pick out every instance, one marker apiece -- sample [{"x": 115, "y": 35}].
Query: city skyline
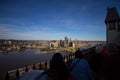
[{"x": 54, "y": 19}]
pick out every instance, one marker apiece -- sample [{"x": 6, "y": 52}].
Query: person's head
[
  {"x": 57, "y": 67},
  {"x": 78, "y": 54},
  {"x": 57, "y": 60}
]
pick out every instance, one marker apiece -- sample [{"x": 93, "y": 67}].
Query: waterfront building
[
  {"x": 72, "y": 44},
  {"x": 61, "y": 43},
  {"x": 54, "y": 44},
  {"x": 112, "y": 22},
  {"x": 9, "y": 42},
  {"x": 67, "y": 42}
]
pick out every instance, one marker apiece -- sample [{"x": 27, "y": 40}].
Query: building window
[{"x": 112, "y": 26}]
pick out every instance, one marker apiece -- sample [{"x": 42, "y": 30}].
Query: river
[{"x": 17, "y": 59}]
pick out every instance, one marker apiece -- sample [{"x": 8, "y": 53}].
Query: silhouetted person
[
  {"x": 80, "y": 69},
  {"x": 58, "y": 69},
  {"x": 111, "y": 67},
  {"x": 96, "y": 62}
]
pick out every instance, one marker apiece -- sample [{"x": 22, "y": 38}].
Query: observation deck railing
[{"x": 44, "y": 65}]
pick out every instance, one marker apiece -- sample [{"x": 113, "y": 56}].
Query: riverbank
[
  {"x": 67, "y": 49},
  {"x": 6, "y": 52}
]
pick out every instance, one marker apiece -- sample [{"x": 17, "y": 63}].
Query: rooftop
[{"x": 112, "y": 15}]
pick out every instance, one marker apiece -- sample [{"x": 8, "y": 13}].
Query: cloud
[
  {"x": 95, "y": 27},
  {"x": 35, "y": 35},
  {"x": 39, "y": 28},
  {"x": 45, "y": 33},
  {"x": 24, "y": 28},
  {"x": 4, "y": 29},
  {"x": 8, "y": 31}
]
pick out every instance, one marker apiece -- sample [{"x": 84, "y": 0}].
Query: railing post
[
  {"x": 33, "y": 66},
  {"x": 67, "y": 58},
  {"x": 7, "y": 77},
  {"x": 70, "y": 56},
  {"x": 17, "y": 73},
  {"x": 45, "y": 65},
  {"x": 40, "y": 65},
  {"x": 50, "y": 63},
  {"x": 26, "y": 69},
  {"x": 73, "y": 55},
  {"x": 64, "y": 58}
]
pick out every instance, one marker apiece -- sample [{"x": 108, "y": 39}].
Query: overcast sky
[{"x": 54, "y": 19}]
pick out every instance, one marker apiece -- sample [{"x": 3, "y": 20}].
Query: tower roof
[{"x": 112, "y": 15}]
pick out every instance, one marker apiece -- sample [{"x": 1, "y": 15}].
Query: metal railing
[{"x": 44, "y": 65}]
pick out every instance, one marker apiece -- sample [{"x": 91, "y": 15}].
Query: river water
[{"x": 17, "y": 59}]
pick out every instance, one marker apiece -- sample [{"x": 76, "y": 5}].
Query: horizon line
[{"x": 50, "y": 39}]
